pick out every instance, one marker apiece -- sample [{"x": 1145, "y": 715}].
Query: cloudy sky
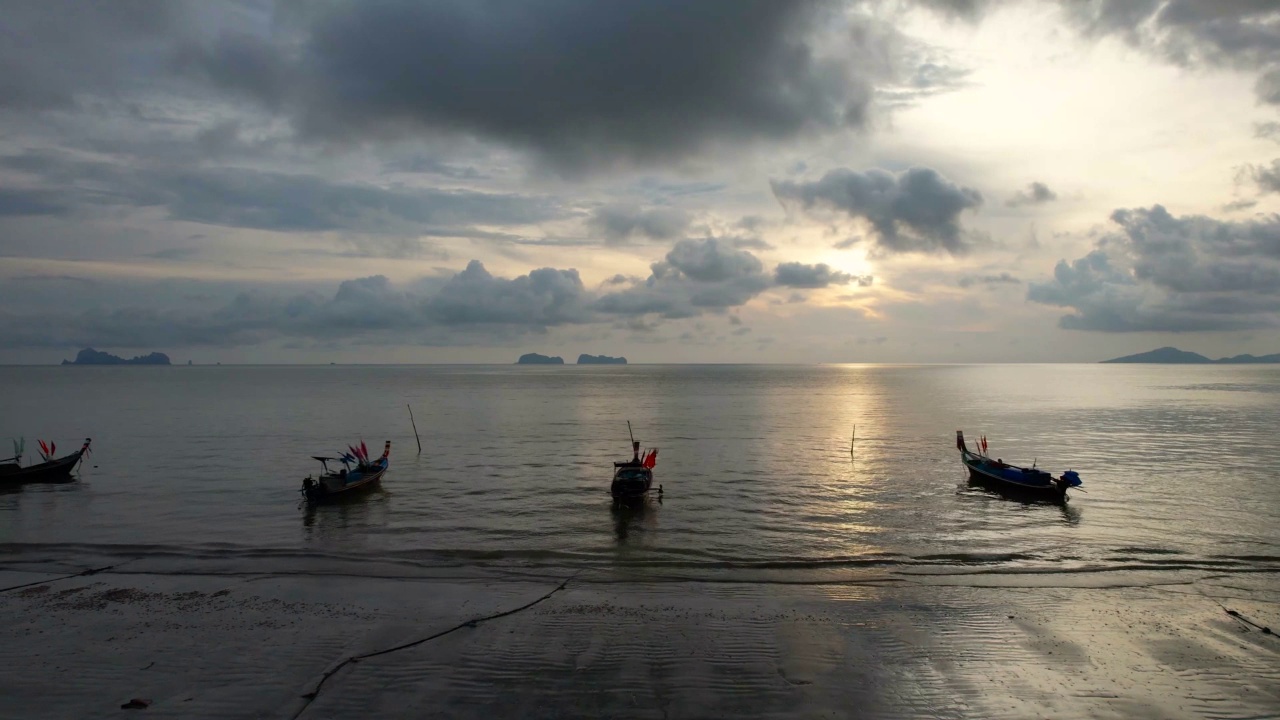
[{"x": 719, "y": 181}]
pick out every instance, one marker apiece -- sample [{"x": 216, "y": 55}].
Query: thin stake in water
[
  {"x": 853, "y": 437},
  {"x": 415, "y": 428}
]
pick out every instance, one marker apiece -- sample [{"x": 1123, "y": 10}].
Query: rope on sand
[
  {"x": 1265, "y": 630},
  {"x": 1233, "y": 613},
  {"x": 91, "y": 571},
  {"x": 467, "y": 624}
]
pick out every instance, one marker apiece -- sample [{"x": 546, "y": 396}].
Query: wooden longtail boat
[
  {"x": 1028, "y": 482},
  {"x": 356, "y": 475},
  {"x": 634, "y": 478},
  {"x": 51, "y": 470}
]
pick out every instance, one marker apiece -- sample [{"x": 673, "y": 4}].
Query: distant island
[
  {"x": 585, "y": 359},
  {"x": 1174, "y": 356},
  {"x": 536, "y": 359},
  {"x": 89, "y": 356}
]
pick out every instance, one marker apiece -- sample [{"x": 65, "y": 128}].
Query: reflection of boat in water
[
  {"x": 346, "y": 517},
  {"x": 51, "y": 470},
  {"x": 634, "y": 478},
  {"x": 330, "y": 485},
  {"x": 1031, "y": 483},
  {"x": 629, "y": 515}
]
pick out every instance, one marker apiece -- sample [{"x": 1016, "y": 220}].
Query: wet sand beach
[{"x": 201, "y": 641}]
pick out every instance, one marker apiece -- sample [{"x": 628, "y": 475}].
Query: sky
[{"x": 386, "y": 181}]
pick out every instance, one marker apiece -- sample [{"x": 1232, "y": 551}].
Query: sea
[{"x": 768, "y": 473}]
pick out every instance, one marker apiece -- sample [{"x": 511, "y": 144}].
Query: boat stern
[{"x": 631, "y": 481}]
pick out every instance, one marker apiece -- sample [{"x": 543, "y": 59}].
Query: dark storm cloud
[
  {"x": 580, "y": 82},
  {"x": 261, "y": 200},
  {"x": 1003, "y": 278},
  {"x": 1269, "y": 130},
  {"x": 16, "y": 203},
  {"x": 434, "y": 166},
  {"x": 1036, "y": 193},
  {"x": 243, "y": 63},
  {"x": 1172, "y": 274},
  {"x": 53, "y": 51},
  {"x": 799, "y": 275},
  {"x": 1239, "y": 34},
  {"x": 619, "y": 223},
  {"x": 915, "y": 211}
]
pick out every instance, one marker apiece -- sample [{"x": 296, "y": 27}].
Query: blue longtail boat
[
  {"x": 1029, "y": 482},
  {"x": 633, "y": 479},
  {"x": 358, "y": 473}
]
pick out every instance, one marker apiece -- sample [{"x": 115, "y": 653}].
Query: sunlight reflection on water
[{"x": 755, "y": 462}]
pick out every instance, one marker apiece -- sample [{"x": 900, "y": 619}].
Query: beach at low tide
[
  {"x": 783, "y": 573},
  {"x": 197, "y": 638}
]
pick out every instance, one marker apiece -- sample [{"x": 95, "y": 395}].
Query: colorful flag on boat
[{"x": 651, "y": 458}]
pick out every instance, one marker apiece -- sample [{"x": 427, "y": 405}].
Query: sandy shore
[{"x": 203, "y": 641}]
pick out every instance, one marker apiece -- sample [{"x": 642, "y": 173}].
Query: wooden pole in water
[
  {"x": 415, "y": 428},
  {"x": 853, "y": 437}
]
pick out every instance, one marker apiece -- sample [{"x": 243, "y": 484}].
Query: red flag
[
  {"x": 364, "y": 451},
  {"x": 53, "y": 447},
  {"x": 651, "y": 459}
]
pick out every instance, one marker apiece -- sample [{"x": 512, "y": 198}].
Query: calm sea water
[{"x": 1179, "y": 464}]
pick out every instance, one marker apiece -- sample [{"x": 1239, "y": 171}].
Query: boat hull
[
  {"x": 335, "y": 487},
  {"x": 1055, "y": 491},
  {"x": 53, "y": 471}
]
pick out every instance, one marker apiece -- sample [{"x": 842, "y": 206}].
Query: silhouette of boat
[
  {"x": 1029, "y": 482},
  {"x": 51, "y": 470},
  {"x": 633, "y": 478},
  {"x": 357, "y": 474}
]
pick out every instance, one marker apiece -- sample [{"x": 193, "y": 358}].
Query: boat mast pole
[{"x": 633, "y": 435}]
